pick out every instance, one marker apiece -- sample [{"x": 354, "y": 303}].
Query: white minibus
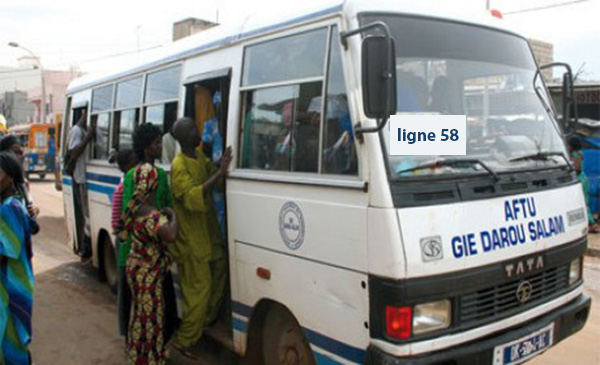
[{"x": 340, "y": 252}]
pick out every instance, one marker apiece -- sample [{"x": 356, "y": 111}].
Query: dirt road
[{"x": 74, "y": 314}]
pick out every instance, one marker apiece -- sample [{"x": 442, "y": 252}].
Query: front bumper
[{"x": 567, "y": 319}]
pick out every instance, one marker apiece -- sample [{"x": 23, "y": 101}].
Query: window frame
[
  {"x": 354, "y": 181},
  {"x": 164, "y": 102},
  {"x": 141, "y": 105},
  {"x": 96, "y": 113}
]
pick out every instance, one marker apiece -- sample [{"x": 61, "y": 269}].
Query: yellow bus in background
[{"x": 39, "y": 141}]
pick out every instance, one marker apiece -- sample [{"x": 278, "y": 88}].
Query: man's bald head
[{"x": 186, "y": 133}]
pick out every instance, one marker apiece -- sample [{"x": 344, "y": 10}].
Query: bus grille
[{"x": 493, "y": 303}]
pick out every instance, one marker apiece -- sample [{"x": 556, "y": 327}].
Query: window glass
[
  {"x": 163, "y": 85},
  {"x": 101, "y": 142},
  {"x": 288, "y": 58},
  {"x": 129, "y": 93},
  {"x": 281, "y": 128},
  {"x": 162, "y": 115},
  {"x": 127, "y": 121},
  {"x": 339, "y": 152},
  {"x": 102, "y": 98}
]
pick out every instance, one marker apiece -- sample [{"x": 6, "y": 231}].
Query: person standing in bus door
[
  {"x": 198, "y": 250},
  {"x": 12, "y": 144},
  {"x": 147, "y": 145},
  {"x": 79, "y": 138},
  {"x": 16, "y": 274},
  {"x": 126, "y": 160},
  {"x": 151, "y": 230}
]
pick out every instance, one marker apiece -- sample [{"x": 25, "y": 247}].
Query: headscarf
[{"x": 145, "y": 181}]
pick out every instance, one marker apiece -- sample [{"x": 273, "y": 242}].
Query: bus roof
[{"x": 255, "y": 25}]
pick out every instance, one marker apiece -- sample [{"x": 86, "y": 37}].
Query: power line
[{"x": 551, "y": 6}]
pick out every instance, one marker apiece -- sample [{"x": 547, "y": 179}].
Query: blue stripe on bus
[
  {"x": 107, "y": 179},
  {"x": 220, "y": 42},
  {"x": 241, "y": 309},
  {"x": 341, "y": 349},
  {"x": 322, "y": 359},
  {"x": 103, "y": 189},
  {"x": 239, "y": 325}
]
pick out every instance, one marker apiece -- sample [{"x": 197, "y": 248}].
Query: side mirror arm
[{"x": 358, "y": 130}]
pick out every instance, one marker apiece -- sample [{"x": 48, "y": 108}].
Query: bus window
[
  {"x": 162, "y": 115},
  {"x": 129, "y": 93},
  {"x": 102, "y": 98},
  {"x": 163, "y": 85},
  {"x": 102, "y": 101},
  {"x": 101, "y": 143},
  {"x": 125, "y": 123},
  {"x": 282, "y": 124},
  {"x": 295, "y": 57},
  {"x": 339, "y": 153}
]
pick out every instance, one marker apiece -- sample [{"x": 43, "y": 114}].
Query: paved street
[{"x": 74, "y": 314}]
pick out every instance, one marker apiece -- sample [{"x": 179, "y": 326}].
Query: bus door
[
  {"x": 206, "y": 102},
  {"x": 75, "y": 228}
]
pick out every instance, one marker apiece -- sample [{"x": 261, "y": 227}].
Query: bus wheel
[
  {"x": 109, "y": 265},
  {"x": 283, "y": 341}
]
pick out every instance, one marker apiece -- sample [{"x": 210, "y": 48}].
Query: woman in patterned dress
[
  {"x": 150, "y": 230},
  {"x": 16, "y": 275}
]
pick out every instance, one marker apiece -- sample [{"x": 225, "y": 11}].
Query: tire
[
  {"x": 42, "y": 176},
  {"x": 283, "y": 342},
  {"x": 109, "y": 265}
]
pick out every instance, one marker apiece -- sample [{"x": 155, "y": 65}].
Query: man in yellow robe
[{"x": 198, "y": 250}]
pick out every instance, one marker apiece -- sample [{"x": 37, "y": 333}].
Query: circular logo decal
[
  {"x": 291, "y": 225},
  {"x": 524, "y": 291}
]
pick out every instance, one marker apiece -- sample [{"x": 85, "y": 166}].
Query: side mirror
[{"x": 379, "y": 77}]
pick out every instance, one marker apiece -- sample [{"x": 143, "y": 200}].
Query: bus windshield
[{"x": 452, "y": 68}]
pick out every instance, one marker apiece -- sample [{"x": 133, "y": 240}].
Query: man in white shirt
[{"x": 79, "y": 138}]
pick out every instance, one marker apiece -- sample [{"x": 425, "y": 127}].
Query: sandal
[{"x": 185, "y": 352}]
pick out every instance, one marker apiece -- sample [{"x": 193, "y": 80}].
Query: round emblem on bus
[
  {"x": 524, "y": 291},
  {"x": 291, "y": 225}
]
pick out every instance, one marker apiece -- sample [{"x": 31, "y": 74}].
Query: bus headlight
[
  {"x": 575, "y": 270},
  {"x": 432, "y": 316}
]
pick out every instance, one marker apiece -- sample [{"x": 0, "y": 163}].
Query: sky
[{"x": 86, "y": 34}]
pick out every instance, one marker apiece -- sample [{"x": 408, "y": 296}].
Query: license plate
[{"x": 524, "y": 348}]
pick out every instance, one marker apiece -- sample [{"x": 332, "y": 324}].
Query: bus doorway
[
  {"x": 207, "y": 102},
  {"x": 81, "y": 233}
]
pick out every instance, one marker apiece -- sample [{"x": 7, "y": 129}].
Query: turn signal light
[{"x": 398, "y": 322}]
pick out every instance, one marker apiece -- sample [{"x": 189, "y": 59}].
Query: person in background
[
  {"x": 11, "y": 143},
  {"x": 79, "y": 139},
  {"x": 51, "y": 155},
  {"x": 577, "y": 159},
  {"x": 198, "y": 250},
  {"x": 150, "y": 230},
  {"x": 147, "y": 145},
  {"x": 126, "y": 160},
  {"x": 170, "y": 148},
  {"x": 212, "y": 147},
  {"x": 16, "y": 274}
]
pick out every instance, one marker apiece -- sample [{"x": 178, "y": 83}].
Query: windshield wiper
[
  {"x": 542, "y": 156},
  {"x": 452, "y": 162}
]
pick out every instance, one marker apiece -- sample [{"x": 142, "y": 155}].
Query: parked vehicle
[{"x": 39, "y": 141}]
